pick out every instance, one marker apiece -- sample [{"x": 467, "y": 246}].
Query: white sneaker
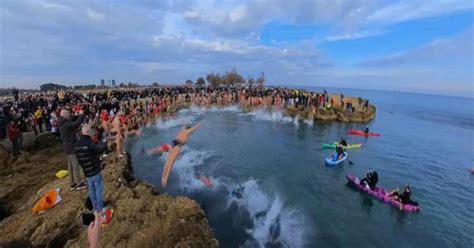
[{"x": 104, "y": 155}]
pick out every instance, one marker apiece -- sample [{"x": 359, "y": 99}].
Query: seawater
[{"x": 272, "y": 189}]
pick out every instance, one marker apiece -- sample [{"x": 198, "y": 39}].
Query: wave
[
  {"x": 186, "y": 167},
  {"x": 276, "y": 117},
  {"x": 202, "y": 110},
  {"x": 180, "y": 120},
  {"x": 270, "y": 222},
  {"x": 309, "y": 122},
  {"x": 231, "y": 108}
]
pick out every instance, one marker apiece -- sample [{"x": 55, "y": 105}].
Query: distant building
[
  {"x": 102, "y": 82},
  {"x": 113, "y": 82}
]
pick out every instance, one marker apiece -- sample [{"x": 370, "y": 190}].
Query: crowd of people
[
  {"x": 40, "y": 112},
  {"x": 91, "y": 124}
]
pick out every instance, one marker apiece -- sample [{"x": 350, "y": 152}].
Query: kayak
[
  {"x": 329, "y": 161},
  {"x": 381, "y": 194},
  {"x": 362, "y": 133},
  {"x": 333, "y": 146}
]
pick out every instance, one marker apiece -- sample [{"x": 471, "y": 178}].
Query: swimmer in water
[
  {"x": 180, "y": 140},
  {"x": 159, "y": 150}
]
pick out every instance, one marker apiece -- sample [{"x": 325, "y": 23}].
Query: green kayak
[{"x": 333, "y": 146}]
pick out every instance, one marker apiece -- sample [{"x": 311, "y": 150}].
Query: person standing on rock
[
  {"x": 13, "y": 135},
  {"x": 366, "y": 105},
  {"x": 67, "y": 130},
  {"x": 88, "y": 156}
]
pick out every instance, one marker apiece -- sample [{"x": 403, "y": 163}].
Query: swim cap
[{"x": 165, "y": 147}]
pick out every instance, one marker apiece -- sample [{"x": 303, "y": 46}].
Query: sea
[{"x": 271, "y": 187}]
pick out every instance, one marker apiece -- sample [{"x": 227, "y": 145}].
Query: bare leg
[
  {"x": 119, "y": 145},
  {"x": 391, "y": 193},
  {"x": 172, "y": 156}
]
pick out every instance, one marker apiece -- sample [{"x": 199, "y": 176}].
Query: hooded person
[
  {"x": 88, "y": 156},
  {"x": 67, "y": 130}
]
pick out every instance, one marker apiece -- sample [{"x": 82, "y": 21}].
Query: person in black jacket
[
  {"x": 67, "y": 129},
  {"x": 88, "y": 156}
]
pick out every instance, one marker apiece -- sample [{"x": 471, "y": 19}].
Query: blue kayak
[{"x": 329, "y": 161}]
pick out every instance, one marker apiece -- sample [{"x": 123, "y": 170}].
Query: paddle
[{"x": 350, "y": 162}]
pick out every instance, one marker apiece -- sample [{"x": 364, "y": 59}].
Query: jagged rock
[{"x": 141, "y": 219}]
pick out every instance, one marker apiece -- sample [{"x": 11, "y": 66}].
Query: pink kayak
[
  {"x": 381, "y": 194},
  {"x": 362, "y": 133}
]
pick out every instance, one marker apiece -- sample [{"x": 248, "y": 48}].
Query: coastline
[
  {"x": 143, "y": 217},
  {"x": 139, "y": 207},
  {"x": 333, "y": 113}
]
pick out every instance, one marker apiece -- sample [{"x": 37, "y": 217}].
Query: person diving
[{"x": 181, "y": 139}]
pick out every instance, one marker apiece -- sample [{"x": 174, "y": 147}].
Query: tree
[
  {"x": 200, "y": 82},
  {"x": 51, "y": 87},
  {"x": 233, "y": 78},
  {"x": 189, "y": 83},
  {"x": 155, "y": 84},
  {"x": 260, "y": 80},
  {"x": 214, "y": 79},
  {"x": 250, "y": 81}
]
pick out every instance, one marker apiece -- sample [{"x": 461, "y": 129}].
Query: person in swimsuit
[
  {"x": 159, "y": 149},
  {"x": 117, "y": 132},
  {"x": 177, "y": 143}
]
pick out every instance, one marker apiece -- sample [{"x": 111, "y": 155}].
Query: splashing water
[
  {"x": 175, "y": 122},
  {"x": 271, "y": 221},
  {"x": 276, "y": 117},
  {"x": 309, "y": 122},
  {"x": 186, "y": 165}
]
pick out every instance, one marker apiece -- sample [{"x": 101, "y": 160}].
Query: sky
[{"x": 414, "y": 45}]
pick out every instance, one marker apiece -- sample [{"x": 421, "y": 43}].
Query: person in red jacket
[{"x": 14, "y": 136}]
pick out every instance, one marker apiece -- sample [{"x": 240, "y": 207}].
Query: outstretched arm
[
  {"x": 196, "y": 127},
  {"x": 153, "y": 151}
]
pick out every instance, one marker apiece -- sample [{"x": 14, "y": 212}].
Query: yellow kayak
[{"x": 333, "y": 146}]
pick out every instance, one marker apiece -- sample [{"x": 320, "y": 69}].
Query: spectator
[
  {"x": 13, "y": 135},
  {"x": 67, "y": 129},
  {"x": 88, "y": 157}
]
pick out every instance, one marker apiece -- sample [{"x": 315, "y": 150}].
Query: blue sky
[{"x": 416, "y": 46}]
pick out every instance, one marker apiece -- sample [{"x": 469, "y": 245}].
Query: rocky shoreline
[{"x": 143, "y": 217}]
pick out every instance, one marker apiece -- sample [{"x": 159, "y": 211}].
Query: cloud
[
  {"x": 95, "y": 15},
  {"x": 236, "y": 18},
  {"x": 171, "y": 41},
  {"x": 412, "y": 10},
  {"x": 459, "y": 48},
  {"x": 355, "y": 36}
]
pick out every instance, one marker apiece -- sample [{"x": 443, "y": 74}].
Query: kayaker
[
  {"x": 339, "y": 152},
  {"x": 404, "y": 198},
  {"x": 366, "y": 130},
  {"x": 343, "y": 142},
  {"x": 371, "y": 179}
]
